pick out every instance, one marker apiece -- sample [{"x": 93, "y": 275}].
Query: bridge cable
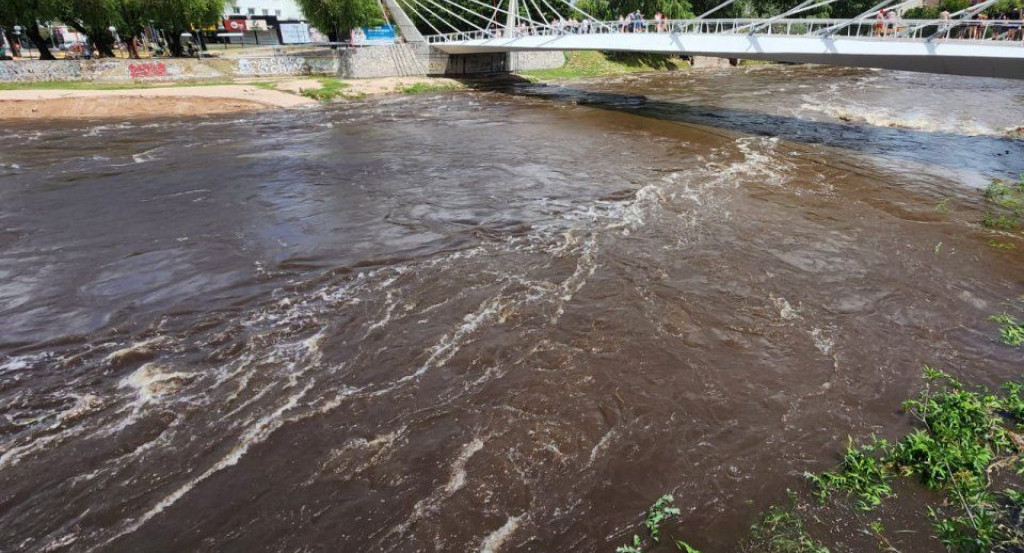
[
  {"x": 829, "y": 31},
  {"x": 971, "y": 12},
  {"x": 539, "y": 11},
  {"x": 494, "y": 16},
  {"x": 526, "y": 7},
  {"x": 425, "y": 20},
  {"x": 506, "y": 12},
  {"x": 553, "y": 10},
  {"x": 439, "y": 18},
  {"x": 804, "y": 6},
  {"x": 714, "y": 9},
  {"x": 477, "y": 14},
  {"x": 463, "y": 19}
]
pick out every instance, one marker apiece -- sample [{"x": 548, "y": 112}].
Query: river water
[{"x": 501, "y": 320}]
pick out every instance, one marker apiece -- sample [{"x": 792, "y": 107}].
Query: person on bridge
[
  {"x": 638, "y": 22},
  {"x": 892, "y": 23},
  {"x": 880, "y": 23},
  {"x": 1013, "y": 33}
]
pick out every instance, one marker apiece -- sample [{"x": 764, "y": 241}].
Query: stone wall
[
  {"x": 529, "y": 61},
  {"x": 399, "y": 60}
]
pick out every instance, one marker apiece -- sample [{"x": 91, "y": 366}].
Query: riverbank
[
  {"x": 77, "y": 100},
  {"x": 586, "y": 65}
]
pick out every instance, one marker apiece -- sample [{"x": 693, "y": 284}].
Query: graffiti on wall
[
  {"x": 147, "y": 70},
  {"x": 272, "y": 66}
]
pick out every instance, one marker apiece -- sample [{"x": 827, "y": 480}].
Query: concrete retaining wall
[
  {"x": 399, "y": 60},
  {"x": 537, "y": 60}
]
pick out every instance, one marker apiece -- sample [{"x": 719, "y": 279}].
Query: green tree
[
  {"x": 673, "y": 9},
  {"x": 132, "y": 16},
  {"x": 182, "y": 16},
  {"x": 29, "y": 14},
  {"x": 600, "y": 9},
  {"x": 338, "y": 17},
  {"x": 93, "y": 18}
]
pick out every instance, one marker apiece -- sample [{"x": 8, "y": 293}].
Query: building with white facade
[{"x": 285, "y": 10}]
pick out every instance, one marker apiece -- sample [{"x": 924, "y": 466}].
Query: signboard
[
  {"x": 373, "y": 36},
  {"x": 258, "y": 25},
  {"x": 295, "y": 33},
  {"x": 235, "y": 25}
]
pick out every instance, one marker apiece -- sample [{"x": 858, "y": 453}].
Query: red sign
[{"x": 235, "y": 25}]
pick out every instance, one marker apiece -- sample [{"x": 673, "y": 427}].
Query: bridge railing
[{"x": 1009, "y": 31}]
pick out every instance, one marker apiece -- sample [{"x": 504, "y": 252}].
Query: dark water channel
[{"x": 501, "y": 320}]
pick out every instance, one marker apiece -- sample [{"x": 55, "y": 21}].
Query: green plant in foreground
[
  {"x": 1001, "y": 222},
  {"x": 968, "y": 438},
  {"x": 330, "y": 89},
  {"x": 1011, "y": 331},
  {"x": 658, "y": 513},
  {"x": 963, "y": 432},
  {"x": 636, "y": 547},
  {"x": 422, "y": 88},
  {"x": 782, "y": 531},
  {"x": 862, "y": 474},
  {"x": 685, "y": 547},
  {"x": 996, "y": 190}
]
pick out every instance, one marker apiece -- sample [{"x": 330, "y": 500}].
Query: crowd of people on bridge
[
  {"x": 634, "y": 22},
  {"x": 1006, "y": 25}
]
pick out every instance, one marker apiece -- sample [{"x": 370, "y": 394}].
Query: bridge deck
[{"x": 962, "y": 47}]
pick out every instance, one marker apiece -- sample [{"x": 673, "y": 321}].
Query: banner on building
[
  {"x": 373, "y": 36},
  {"x": 295, "y": 33},
  {"x": 235, "y": 25}
]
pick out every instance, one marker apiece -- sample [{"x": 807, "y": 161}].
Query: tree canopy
[
  {"x": 94, "y": 18},
  {"x": 338, "y": 17}
]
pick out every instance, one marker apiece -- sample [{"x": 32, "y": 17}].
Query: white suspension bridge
[{"x": 958, "y": 44}]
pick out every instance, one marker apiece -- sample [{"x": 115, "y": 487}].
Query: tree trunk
[
  {"x": 32, "y": 32},
  {"x": 175, "y": 44},
  {"x": 133, "y": 52},
  {"x": 104, "y": 41}
]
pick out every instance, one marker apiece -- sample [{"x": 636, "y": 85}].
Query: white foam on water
[
  {"x": 153, "y": 381},
  {"x": 145, "y": 347},
  {"x": 456, "y": 481},
  {"x": 20, "y": 363},
  {"x": 255, "y": 434},
  {"x": 458, "y": 472},
  {"x": 495, "y": 540},
  {"x": 145, "y": 157},
  {"x": 880, "y": 116},
  {"x": 84, "y": 404},
  {"x": 451, "y": 343},
  {"x": 823, "y": 340},
  {"x": 786, "y": 311}
]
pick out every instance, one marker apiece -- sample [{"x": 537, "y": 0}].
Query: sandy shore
[{"x": 179, "y": 101}]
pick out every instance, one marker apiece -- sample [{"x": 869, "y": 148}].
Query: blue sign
[{"x": 371, "y": 36}]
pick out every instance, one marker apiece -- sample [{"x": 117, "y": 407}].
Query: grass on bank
[
  {"x": 330, "y": 89},
  {"x": 967, "y": 449},
  {"x": 599, "y": 64},
  {"x": 423, "y": 88},
  {"x": 1007, "y": 201}
]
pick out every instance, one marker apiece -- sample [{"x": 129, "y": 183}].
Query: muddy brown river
[{"x": 498, "y": 321}]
